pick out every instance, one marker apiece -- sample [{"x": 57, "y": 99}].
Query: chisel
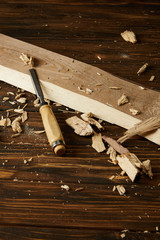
[{"x": 50, "y": 123}]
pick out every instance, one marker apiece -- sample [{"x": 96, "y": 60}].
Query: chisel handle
[{"x": 53, "y": 130}]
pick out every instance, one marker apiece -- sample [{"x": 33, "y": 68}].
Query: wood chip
[
  {"x": 152, "y": 78},
  {"x": 130, "y": 164},
  {"x": 27, "y": 60},
  {"x": 89, "y": 91},
  {"x": 24, "y": 116},
  {"x": 10, "y": 93},
  {"x": 22, "y": 100},
  {"x": 88, "y": 118},
  {"x": 5, "y": 99},
  {"x": 65, "y": 187},
  {"x": 141, "y": 128},
  {"x": 5, "y": 122},
  {"x": 113, "y": 143},
  {"x": 121, "y": 189},
  {"x": 123, "y": 235},
  {"x": 12, "y": 102},
  {"x": 112, "y": 177},
  {"x": 18, "y": 110},
  {"x": 97, "y": 142},
  {"x": 39, "y": 132},
  {"x": 115, "y": 88},
  {"x": 36, "y": 102},
  {"x": 16, "y": 127},
  {"x": 142, "y": 69},
  {"x": 80, "y": 127},
  {"x": 146, "y": 168},
  {"x": 134, "y": 111},
  {"x": 129, "y": 36},
  {"x": 113, "y": 155},
  {"x": 123, "y": 100}
]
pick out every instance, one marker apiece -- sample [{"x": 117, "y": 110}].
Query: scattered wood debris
[
  {"x": 114, "y": 188},
  {"x": 146, "y": 168},
  {"x": 121, "y": 189},
  {"x": 130, "y": 164},
  {"x": 24, "y": 116},
  {"x": 141, "y": 128},
  {"x": 122, "y": 100},
  {"x": 123, "y": 235},
  {"x": 12, "y": 102},
  {"x": 115, "y": 88},
  {"x": 142, "y": 69},
  {"x": 27, "y": 60},
  {"x": 22, "y": 100},
  {"x": 113, "y": 143},
  {"x": 27, "y": 161},
  {"x": 142, "y": 88},
  {"x": 80, "y": 88},
  {"x": 134, "y": 111},
  {"x": 65, "y": 187},
  {"x": 5, "y": 122},
  {"x": 89, "y": 91},
  {"x": 15, "y": 135},
  {"x": 112, "y": 177},
  {"x": 152, "y": 78},
  {"x": 18, "y": 110},
  {"x": 19, "y": 96},
  {"x": 10, "y": 93},
  {"x": 113, "y": 155},
  {"x": 80, "y": 127},
  {"x": 98, "y": 84},
  {"x": 16, "y": 127},
  {"x": 97, "y": 142},
  {"x": 36, "y": 102},
  {"x": 129, "y": 36},
  {"x": 88, "y": 118}
]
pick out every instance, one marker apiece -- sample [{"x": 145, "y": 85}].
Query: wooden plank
[{"x": 62, "y": 76}]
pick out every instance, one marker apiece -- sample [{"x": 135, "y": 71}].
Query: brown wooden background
[{"x": 32, "y": 204}]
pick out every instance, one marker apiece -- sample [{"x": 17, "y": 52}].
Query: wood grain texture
[{"x": 32, "y": 203}]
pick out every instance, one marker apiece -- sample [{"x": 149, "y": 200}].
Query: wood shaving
[
  {"x": 19, "y": 96},
  {"x": 142, "y": 88},
  {"x": 129, "y": 36},
  {"x": 79, "y": 189},
  {"x": 114, "y": 188},
  {"x": 36, "y": 102},
  {"x": 112, "y": 177},
  {"x": 99, "y": 74},
  {"x": 113, "y": 154},
  {"x": 121, "y": 189},
  {"x": 123, "y": 100},
  {"x": 21, "y": 100},
  {"x": 18, "y": 110},
  {"x": 123, "y": 235},
  {"x": 24, "y": 116},
  {"x": 134, "y": 111},
  {"x": 5, "y": 122},
  {"x": 114, "y": 144},
  {"x": 152, "y": 78},
  {"x": 65, "y": 187},
  {"x": 5, "y": 99},
  {"x": 27, "y": 161},
  {"x": 15, "y": 135},
  {"x": 80, "y": 127},
  {"x": 57, "y": 104},
  {"x": 12, "y": 102},
  {"x": 47, "y": 101},
  {"x": 141, "y": 128},
  {"x": 16, "y": 127},
  {"x": 80, "y": 88},
  {"x": 97, "y": 142},
  {"x": 99, "y": 57},
  {"x": 89, "y": 91},
  {"x": 115, "y": 88},
  {"x": 27, "y": 60},
  {"x": 142, "y": 69},
  {"x": 98, "y": 84},
  {"x": 146, "y": 167},
  {"x": 130, "y": 164},
  {"x": 88, "y": 118},
  {"x": 39, "y": 132},
  {"x": 10, "y": 93}
]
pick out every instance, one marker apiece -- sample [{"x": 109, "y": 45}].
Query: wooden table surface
[{"x": 32, "y": 203}]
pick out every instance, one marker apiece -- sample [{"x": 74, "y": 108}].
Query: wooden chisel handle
[{"x": 53, "y": 130}]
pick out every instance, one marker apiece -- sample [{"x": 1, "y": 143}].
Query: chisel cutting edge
[{"x": 50, "y": 123}]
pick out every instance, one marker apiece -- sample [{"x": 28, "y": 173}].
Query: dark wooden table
[{"x": 32, "y": 203}]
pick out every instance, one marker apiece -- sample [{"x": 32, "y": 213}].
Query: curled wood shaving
[
  {"x": 24, "y": 116},
  {"x": 79, "y": 189},
  {"x": 21, "y": 100},
  {"x": 10, "y": 93},
  {"x": 16, "y": 127},
  {"x": 88, "y": 118},
  {"x": 114, "y": 144},
  {"x": 18, "y": 110},
  {"x": 89, "y": 91},
  {"x": 5, "y": 122},
  {"x": 12, "y": 102},
  {"x": 39, "y": 132},
  {"x": 146, "y": 167},
  {"x": 122, "y": 100},
  {"x": 134, "y": 111},
  {"x": 129, "y": 36},
  {"x": 142, "y": 69},
  {"x": 141, "y": 128},
  {"x": 36, "y": 102},
  {"x": 97, "y": 142},
  {"x": 65, "y": 187},
  {"x": 80, "y": 127},
  {"x": 15, "y": 135},
  {"x": 19, "y": 96},
  {"x": 5, "y": 99},
  {"x": 121, "y": 189},
  {"x": 115, "y": 88},
  {"x": 27, "y": 60}
]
